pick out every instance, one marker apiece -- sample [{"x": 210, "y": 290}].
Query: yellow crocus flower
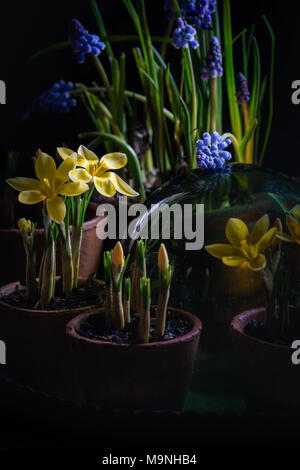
[
  {"x": 246, "y": 249},
  {"x": 293, "y": 224},
  {"x": 52, "y": 183},
  {"x": 94, "y": 171}
]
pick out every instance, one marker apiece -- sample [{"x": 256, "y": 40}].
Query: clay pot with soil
[
  {"x": 38, "y": 355},
  {"x": 269, "y": 375},
  {"x": 131, "y": 354},
  {"x": 118, "y": 374}
]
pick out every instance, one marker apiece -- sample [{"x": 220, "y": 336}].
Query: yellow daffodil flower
[
  {"x": 246, "y": 249},
  {"x": 51, "y": 183},
  {"x": 94, "y": 171},
  {"x": 293, "y": 224}
]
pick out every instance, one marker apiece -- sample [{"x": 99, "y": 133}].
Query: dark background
[{"x": 27, "y": 27}]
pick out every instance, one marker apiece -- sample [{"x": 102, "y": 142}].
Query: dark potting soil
[
  {"x": 94, "y": 328},
  {"x": 91, "y": 293},
  {"x": 256, "y": 329}
]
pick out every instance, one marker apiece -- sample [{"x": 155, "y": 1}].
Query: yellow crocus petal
[
  {"x": 112, "y": 161},
  {"x": 87, "y": 154},
  {"x": 56, "y": 209},
  {"x": 80, "y": 175},
  {"x": 25, "y": 184},
  {"x": 65, "y": 153},
  {"x": 73, "y": 189},
  {"x": 120, "y": 184},
  {"x": 31, "y": 197},
  {"x": 296, "y": 211},
  {"x": 266, "y": 241},
  {"x": 220, "y": 250},
  {"x": 45, "y": 167},
  {"x": 236, "y": 230},
  {"x": 62, "y": 172},
  {"x": 285, "y": 237},
  {"x": 260, "y": 228},
  {"x": 258, "y": 263},
  {"x": 233, "y": 261},
  {"x": 104, "y": 186},
  {"x": 294, "y": 228}
]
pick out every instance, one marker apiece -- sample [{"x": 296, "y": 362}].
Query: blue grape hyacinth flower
[
  {"x": 242, "y": 90},
  {"x": 83, "y": 42},
  {"x": 213, "y": 67},
  {"x": 211, "y": 153},
  {"x": 198, "y": 13},
  {"x": 56, "y": 100},
  {"x": 184, "y": 35}
]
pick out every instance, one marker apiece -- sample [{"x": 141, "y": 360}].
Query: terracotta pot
[
  {"x": 268, "y": 375},
  {"x": 12, "y": 252},
  {"x": 141, "y": 376},
  {"x": 37, "y": 350}
]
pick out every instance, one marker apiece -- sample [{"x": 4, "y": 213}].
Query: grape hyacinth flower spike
[
  {"x": 83, "y": 42},
  {"x": 211, "y": 153},
  {"x": 56, "y": 100},
  {"x": 213, "y": 67},
  {"x": 184, "y": 35},
  {"x": 198, "y": 13},
  {"x": 242, "y": 90}
]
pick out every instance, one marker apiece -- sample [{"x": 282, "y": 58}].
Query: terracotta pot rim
[
  {"x": 241, "y": 320},
  {"x": 87, "y": 226},
  {"x": 38, "y": 312},
  {"x": 71, "y": 330}
]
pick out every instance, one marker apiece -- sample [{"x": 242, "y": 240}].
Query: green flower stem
[
  {"x": 76, "y": 247},
  {"x": 213, "y": 98},
  {"x": 67, "y": 261},
  {"x": 144, "y": 324},
  {"x": 160, "y": 322},
  {"x": 103, "y": 76},
  {"x": 130, "y": 94},
  {"x": 144, "y": 316},
  {"x": 31, "y": 286},
  {"x": 127, "y": 311},
  {"x": 118, "y": 311},
  {"x": 48, "y": 275},
  {"x": 248, "y": 156},
  {"x": 194, "y": 103}
]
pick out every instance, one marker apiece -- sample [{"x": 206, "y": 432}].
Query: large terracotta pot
[
  {"x": 37, "y": 350},
  {"x": 12, "y": 252},
  {"x": 268, "y": 375},
  {"x": 140, "y": 376}
]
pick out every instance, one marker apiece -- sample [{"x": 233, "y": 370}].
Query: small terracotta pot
[
  {"x": 12, "y": 253},
  {"x": 140, "y": 376},
  {"x": 268, "y": 375},
  {"x": 37, "y": 350}
]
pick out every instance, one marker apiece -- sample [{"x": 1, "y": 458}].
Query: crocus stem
[
  {"x": 160, "y": 322},
  {"x": 48, "y": 276},
  {"x": 31, "y": 286},
  {"x": 76, "y": 246},
  {"x": 67, "y": 265},
  {"x": 118, "y": 312},
  {"x": 144, "y": 324},
  {"x": 213, "y": 97},
  {"x": 127, "y": 311}
]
